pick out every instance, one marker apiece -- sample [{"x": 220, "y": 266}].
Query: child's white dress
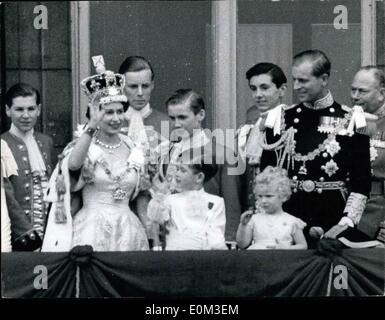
[
  {"x": 195, "y": 220},
  {"x": 269, "y": 227}
]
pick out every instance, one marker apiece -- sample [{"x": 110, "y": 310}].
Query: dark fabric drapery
[{"x": 257, "y": 273}]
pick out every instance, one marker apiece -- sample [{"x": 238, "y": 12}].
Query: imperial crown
[{"x": 106, "y": 83}]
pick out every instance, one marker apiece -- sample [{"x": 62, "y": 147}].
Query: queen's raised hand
[{"x": 96, "y": 111}]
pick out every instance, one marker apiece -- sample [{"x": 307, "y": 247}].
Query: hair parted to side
[
  {"x": 277, "y": 75},
  {"x": 209, "y": 170},
  {"x": 21, "y": 90},
  {"x": 378, "y": 72},
  {"x": 136, "y": 63},
  {"x": 274, "y": 176},
  {"x": 194, "y": 99},
  {"x": 320, "y": 61}
]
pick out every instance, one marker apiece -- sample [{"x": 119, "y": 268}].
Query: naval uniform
[{"x": 327, "y": 184}]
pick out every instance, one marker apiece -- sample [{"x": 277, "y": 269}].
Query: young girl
[
  {"x": 193, "y": 218},
  {"x": 269, "y": 227}
]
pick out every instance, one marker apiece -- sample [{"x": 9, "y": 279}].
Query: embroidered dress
[
  {"x": 105, "y": 221},
  {"x": 107, "y": 182},
  {"x": 269, "y": 227}
]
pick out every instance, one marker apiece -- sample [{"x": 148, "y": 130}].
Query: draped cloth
[{"x": 258, "y": 273}]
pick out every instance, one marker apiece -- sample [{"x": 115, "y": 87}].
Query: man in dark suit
[
  {"x": 329, "y": 168},
  {"x": 139, "y": 84},
  {"x": 33, "y": 152},
  {"x": 368, "y": 91},
  {"x": 144, "y": 124},
  {"x": 186, "y": 110}
]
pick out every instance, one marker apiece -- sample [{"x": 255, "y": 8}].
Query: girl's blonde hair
[{"x": 277, "y": 176}]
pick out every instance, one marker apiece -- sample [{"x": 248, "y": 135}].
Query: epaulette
[{"x": 286, "y": 107}]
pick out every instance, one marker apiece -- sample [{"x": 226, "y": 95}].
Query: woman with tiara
[{"x": 104, "y": 166}]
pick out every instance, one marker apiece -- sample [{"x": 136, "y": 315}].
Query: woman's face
[{"x": 113, "y": 118}]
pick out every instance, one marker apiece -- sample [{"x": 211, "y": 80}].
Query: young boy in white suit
[{"x": 192, "y": 218}]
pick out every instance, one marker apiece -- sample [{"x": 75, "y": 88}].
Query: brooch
[
  {"x": 330, "y": 167},
  {"x": 333, "y": 147}
]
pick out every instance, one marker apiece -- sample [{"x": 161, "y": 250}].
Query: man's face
[
  {"x": 138, "y": 88},
  {"x": 23, "y": 112},
  {"x": 183, "y": 119},
  {"x": 308, "y": 87},
  {"x": 366, "y": 91},
  {"x": 265, "y": 92}
]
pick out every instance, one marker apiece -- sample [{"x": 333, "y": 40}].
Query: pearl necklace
[{"x": 109, "y": 147}]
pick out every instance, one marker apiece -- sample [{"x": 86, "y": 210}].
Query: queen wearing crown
[{"x": 104, "y": 168}]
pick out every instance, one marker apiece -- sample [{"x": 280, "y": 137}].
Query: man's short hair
[
  {"x": 194, "y": 99},
  {"x": 134, "y": 64},
  {"x": 378, "y": 72},
  {"x": 321, "y": 63},
  {"x": 277, "y": 75},
  {"x": 21, "y": 90}
]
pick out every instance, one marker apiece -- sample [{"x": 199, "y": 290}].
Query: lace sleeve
[{"x": 159, "y": 210}]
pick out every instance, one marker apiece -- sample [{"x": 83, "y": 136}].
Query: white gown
[
  {"x": 269, "y": 227},
  {"x": 105, "y": 223}
]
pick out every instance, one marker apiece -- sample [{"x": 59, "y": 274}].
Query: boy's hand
[
  {"x": 160, "y": 185},
  {"x": 246, "y": 216}
]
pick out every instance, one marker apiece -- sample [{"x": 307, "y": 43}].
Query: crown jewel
[{"x": 107, "y": 83}]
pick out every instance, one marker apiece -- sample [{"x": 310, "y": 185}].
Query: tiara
[{"x": 106, "y": 83}]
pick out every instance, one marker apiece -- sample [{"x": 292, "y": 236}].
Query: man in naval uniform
[
  {"x": 368, "y": 91},
  {"x": 144, "y": 124},
  {"x": 327, "y": 161},
  {"x": 33, "y": 152}
]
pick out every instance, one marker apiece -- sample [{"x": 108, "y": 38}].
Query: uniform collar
[
  {"x": 20, "y": 134},
  {"x": 322, "y": 103}
]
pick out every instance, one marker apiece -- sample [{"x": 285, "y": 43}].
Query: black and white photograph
[{"x": 227, "y": 149}]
